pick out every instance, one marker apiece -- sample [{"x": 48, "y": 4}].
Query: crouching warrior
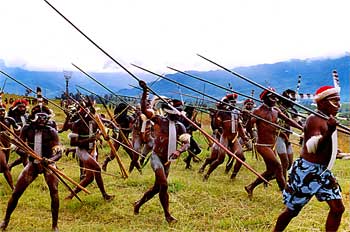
[
  {"x": 167, "y": 130},
  {"x": 44, "y": 140},
  {"x": 5, "y": 144},
  {"x": 84, "y": 135}
]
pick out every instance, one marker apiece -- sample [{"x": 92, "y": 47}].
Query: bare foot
[
  {"x": 136, "y": 207},
  {"x": 249, "y": 191},
  {"x": 55, "y": 229},
  {"x": 170, "y": 219},
  {"x": 108, "y": 197},
  {"x": 3, "y": 225}
]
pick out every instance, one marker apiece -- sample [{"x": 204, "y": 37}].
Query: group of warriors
[{"x": 157, "y": 132}]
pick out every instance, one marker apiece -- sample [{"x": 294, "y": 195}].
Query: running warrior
[
  {"x": 228, "y": 120},
  {"x": 311, "y": 174},
  {"x": 267, "y": 134},
  {"x": 84, "y": 135},
  {"x": 167, "y": 130}
]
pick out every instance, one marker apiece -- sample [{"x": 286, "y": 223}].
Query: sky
[{"x": 159, "y": 33}]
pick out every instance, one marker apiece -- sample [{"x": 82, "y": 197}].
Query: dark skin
[
  {"x": 161, "y": 133},
  {"x": 5, "y": 152},
  {"x": 21, "y": 118},
  {"x": 50, "y": 153},
  {"x": 82, "y": 141},
  {"x": 125, "y": 123},
  {"x": 215, "y": 126},
  {"x": 317, "y": 126},
  {"x": 267, "y": 136},
  {"x": 229, "y": 139},
  {"x": 142, "y": 140}
]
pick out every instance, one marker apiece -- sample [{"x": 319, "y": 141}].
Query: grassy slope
[{"x": 216, "y": 205}]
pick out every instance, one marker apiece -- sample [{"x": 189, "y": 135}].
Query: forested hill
[{"x": 281, "y": 75}]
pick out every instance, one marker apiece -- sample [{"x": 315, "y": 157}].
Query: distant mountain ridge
[{"x": 281, "y": 75}]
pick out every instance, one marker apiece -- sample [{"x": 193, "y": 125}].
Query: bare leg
[
  {"x": 335, "y": 214},
  {"x": 52, "y": 183},
  {"x": 26, "y": 177}
]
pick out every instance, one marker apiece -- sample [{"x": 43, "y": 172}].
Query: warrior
[
  {"x": 267, "y": 134},
  {"x": 245, "y": 117},
  {"x": 167, "y": 130},
  {"x": 84, "y": 135},
  {"x": 44, "y": 140},
  {"x": 124, "y": 122},
  {"x": 283, "y": 146},
  {"x": 194, "y": 148},
  {"x": 5, "y": 144},
  {"x": 311, "y": 174},
  {"x": 142, "y": 138},
  {"x": 217, "y": 131},
  {"x": 18, "y": 111},
  {"x": 228, "y": 119}
]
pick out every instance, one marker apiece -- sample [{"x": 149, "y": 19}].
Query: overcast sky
[{"x": 160, "y": 33}]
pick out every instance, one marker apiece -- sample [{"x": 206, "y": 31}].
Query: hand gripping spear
[
  {"x": 345, "y": 129},
  {"x": 131, "y": 74}
]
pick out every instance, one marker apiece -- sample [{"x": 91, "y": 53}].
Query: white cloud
[{"x": 160, "y": 33}]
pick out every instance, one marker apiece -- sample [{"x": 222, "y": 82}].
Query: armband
[
  {"x": 72, "y": 135},
  {"x": 143, "y": 117},
  {"x": 312, "y": 144},
  {"x": 185, "y": 138}
]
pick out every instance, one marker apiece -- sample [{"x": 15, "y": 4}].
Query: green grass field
[{"x": 217, "y": 205}]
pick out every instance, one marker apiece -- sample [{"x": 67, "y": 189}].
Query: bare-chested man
[
  {"x": 125, "y": 123},
  {"x": 18, "y": 111},
  {"x": 84, "y": 134},
  {"x": 231, "y": 129},
  {"x": 142, "y": 139},
  {"x": 283, "y": 146},
  {"x": 266, "y": 139},
  {"x": 311, "y": 174},
  {"x": 43, "y": 139},
  {"x": 5, "y": 144},
  {"x": 167, "y": 130}
]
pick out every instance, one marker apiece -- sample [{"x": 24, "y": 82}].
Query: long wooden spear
[
  {"x": 275, "y": 93},
  {"x": 214, "y": 84}
]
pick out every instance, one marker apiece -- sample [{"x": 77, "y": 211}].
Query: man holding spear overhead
[
  {"x": 44, "y": 140},
  {"x": 167, "y": 130},
  {"x": 311, "y": 174},
  {"x": 267, "y": 138}
]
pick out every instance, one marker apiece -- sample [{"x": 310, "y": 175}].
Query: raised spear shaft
[
  {"x": 190, "y": 88},
  {"x": 270, "y": 91}
]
